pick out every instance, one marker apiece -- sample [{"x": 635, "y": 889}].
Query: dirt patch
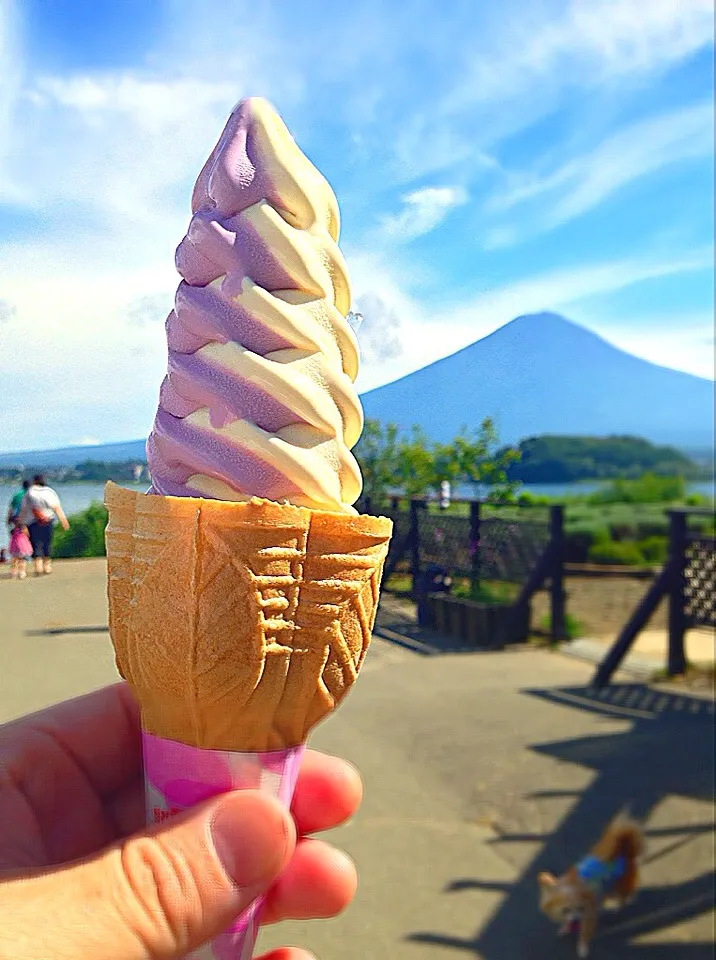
[{"x": 601, "y": 605}]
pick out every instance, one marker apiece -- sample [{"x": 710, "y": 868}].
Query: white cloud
[
  {"x": 7, "y": 310},
  {"x": 631, "y": 153},
  {"x": 122, "y": 146},
  {"x": 86, "y": 441},
  {"x": 149, "y": 309},
  {"x": 580, "y": 42},
  {"x": 105, "y": 371},
  {"x": 114, "y": 143},
  {"x": 423, "y": 210},
  {"x": 151, "y": 102},
  {"x": 11, "y": 64},
  {"x": 525, "y": 60},
  {"x": 379, "y": 335},
  {"x": 104, "y": 161},
  {"x": 425, "y": 143},
  {"x": 682, "y": 341}
]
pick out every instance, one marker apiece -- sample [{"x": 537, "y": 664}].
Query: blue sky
[{"x": 490, "y": 159}]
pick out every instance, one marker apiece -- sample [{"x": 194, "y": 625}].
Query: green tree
[
  {"x": 415, "y": 465},
  {"x": 478, "y": 461},
  {"x": 377, "y": 455}
]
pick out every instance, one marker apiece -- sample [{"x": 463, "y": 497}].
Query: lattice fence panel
[
  {"x": 510, "y": 549},
  {"x": 700, "y": 582},
  {"x": 445, "y": 540}
]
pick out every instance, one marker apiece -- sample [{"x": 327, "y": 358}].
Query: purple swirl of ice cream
[{"x": 259, "y": 399}]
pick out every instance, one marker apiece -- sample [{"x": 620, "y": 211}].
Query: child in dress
[{"x": 20, "y": 550}]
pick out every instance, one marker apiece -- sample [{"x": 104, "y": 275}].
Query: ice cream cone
[
  {"x": 239, "y": 625},
  {"x": 241, "y": 622}
]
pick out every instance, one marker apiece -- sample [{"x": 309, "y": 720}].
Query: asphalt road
[{"x": 480, "y": 770}]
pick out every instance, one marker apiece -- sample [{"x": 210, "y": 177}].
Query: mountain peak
[
  {"x": 544, "y": 317},
  {"x": 543, "y": 373},
  {"x": 545, "y": 323}
]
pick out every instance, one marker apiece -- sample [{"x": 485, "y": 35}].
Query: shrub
[
  {"x": 85, "y": 538},
  {"x": 654, "y": 549},
  {"x": 579, "y": 540},
  {"x": 573, "y": 627},
  {"x": 533, "y": 499},
  {"x": 648, "y": 488},
  {"x": 622, "y": 531},
  {"x": 646, "y": 530},
  {"x": 495, "y": 592},
  {"x": 619, "y": 553}
]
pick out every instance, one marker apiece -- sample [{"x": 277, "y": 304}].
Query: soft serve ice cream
[
  {"x": 243, "y": 590},
  {"x": 259, "y": 399}
]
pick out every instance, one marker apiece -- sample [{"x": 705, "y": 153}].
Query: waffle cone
[{"x": 239, "y": 625}]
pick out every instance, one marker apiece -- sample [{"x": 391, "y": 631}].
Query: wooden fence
[
  {"x": 521, "y": 545},
  {"x": 688, "y": 581}
]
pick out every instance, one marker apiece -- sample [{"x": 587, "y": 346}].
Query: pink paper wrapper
[{"x": 177, "y": 776}]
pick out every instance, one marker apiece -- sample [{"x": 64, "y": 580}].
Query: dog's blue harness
[{"x": 600, "y": 876}]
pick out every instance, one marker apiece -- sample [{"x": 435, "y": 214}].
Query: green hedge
[
  {"x": 654, "y": 550},
  {"x": 85, "y": 538},
  {"x": 614, "y": 552},
  {"x": 648, "y": 488},
  {"x": 579, "y": 540}
]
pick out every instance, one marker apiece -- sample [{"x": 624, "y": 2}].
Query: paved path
[{"x": 480, "y": 770}]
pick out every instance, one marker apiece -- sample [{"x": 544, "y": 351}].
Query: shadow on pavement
[
  {"x": 59, "y": 631},
  {"x": 417, "y": 639},
  {"x": 667, "y": 750}
]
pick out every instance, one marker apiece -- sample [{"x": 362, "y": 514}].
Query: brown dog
[{"x": 608, "y": 873}]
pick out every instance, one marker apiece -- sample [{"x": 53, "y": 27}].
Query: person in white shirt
[{"x": 40, "y": 510}]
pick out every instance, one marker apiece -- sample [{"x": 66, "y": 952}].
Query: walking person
[
  {"x": 13, "y": 508},
  {"x": 20, "y": 550},
  {"x": 40, "y": 511}
]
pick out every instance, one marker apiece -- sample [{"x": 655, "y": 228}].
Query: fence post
[
  {"x": 415, "y": 507},
  {"x": 395, "y": 504},
  {"x": 367, "y": 505},
  {"x": 557, "y": 594},
  {"x": 475, "y": 543},
  {"x": 678, "y": 539}
]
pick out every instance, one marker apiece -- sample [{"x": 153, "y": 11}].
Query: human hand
[{"x": 82, "y": 878}]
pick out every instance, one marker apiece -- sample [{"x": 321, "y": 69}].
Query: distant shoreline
[{"x": 82, "y": 483}]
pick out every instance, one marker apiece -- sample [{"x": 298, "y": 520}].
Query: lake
[
  {"x": 77, "y": 496},
  {"x": 74, "y": 497}
]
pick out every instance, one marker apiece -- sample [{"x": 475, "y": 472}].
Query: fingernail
[{"x": 251, "y": 836}]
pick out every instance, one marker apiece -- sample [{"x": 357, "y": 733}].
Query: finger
[
  {"x": 328, "y": 792},
  {"x": 320, "y": 881},
  {"x": 99, "y": 731},
  {"x": 287, "y": 953},
  {"x": 158, "y": 894}
]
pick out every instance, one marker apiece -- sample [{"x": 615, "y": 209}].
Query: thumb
[{"x": 158, "y": 894}]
